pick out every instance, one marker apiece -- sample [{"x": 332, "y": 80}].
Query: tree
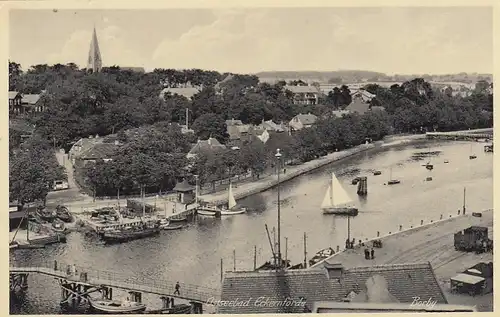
[
  {"x": 32, "y": 171},
  {"x": 211, "y": 125}
]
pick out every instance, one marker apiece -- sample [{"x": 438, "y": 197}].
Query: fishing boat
[
  {"x": 336, "y": 200},
  {"x": 63, "y": 213},
  {"x": 321, "y": 255},
  {"x": 392, "y": 181},
  {"x": 116, "y": 307},
  {"x": 130, "y": 233},
  {"x": 231, "y": 209}
]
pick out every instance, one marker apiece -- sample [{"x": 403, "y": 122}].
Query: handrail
[{"x": 189, "y": 291}]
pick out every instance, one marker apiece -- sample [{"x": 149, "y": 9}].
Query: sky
[{"x": 392, "y": 40}]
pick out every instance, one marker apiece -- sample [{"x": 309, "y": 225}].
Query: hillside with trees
[{"x": 79, "y": 104}]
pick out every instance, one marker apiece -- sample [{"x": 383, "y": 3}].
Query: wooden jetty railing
[{"x": 132, "y": 282}]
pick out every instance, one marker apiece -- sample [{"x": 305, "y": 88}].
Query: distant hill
[{"x": 354, "y": 76}]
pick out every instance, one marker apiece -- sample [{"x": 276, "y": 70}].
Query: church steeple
[{"x": 94, "y": 61}]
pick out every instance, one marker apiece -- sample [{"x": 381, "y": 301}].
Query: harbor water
[{"x": 193, "y": 255}]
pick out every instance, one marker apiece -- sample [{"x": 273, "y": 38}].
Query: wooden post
[
  {"x": 234, "y": 260},
  {"x": 254, "y": 257},
  {"x": 421, "y": 222},
  {"x": 221, "y": 270},
  {"x": 400, "y": 227},
  {"x": 305, "y": 250}
]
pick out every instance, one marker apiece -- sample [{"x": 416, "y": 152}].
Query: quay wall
[
  {"x": 292, "y": 172},
  {"x": 413, "y": 229}
]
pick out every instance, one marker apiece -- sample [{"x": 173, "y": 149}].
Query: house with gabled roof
[
  {"x": 304, "y": 95},
  {"x": 365, "y": 95},
  {"x": 92, "y": 149},
  {"x": 15, "y": 100},
  {"x": 299, "y": 290},
  {"x": 360, "y": 106},
  {"x": 205, "y": 146},
  {"x": 302, "y": 121},
  {"x": 31, "y": 103}
]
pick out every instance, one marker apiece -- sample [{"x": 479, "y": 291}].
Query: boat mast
[
  {"x": 331, "y": 191},
  {"x": 271, "y": 244},
  {"x": 348, "y": 227},
  {"x": 463, "y": 210},
  {"x": 305, "y": 250}
]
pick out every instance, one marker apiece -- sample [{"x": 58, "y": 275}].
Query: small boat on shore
[
  {"x": 58, "y": 226},
  {"x": 376, "y": 173},
  {"x": 63, "y": 213},
  {"x": 321, "y": 255},
  {"x": 446, "y": 161},
  {"x": 336, "y": 200},
  {"x": 45, "y": 215},
  {"x": 116, "y": 307}
]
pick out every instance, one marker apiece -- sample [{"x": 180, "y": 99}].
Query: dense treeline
[{"x": 78, "y": 104}]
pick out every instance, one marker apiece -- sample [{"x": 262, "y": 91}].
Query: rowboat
[{"x": 116, "y": 307}]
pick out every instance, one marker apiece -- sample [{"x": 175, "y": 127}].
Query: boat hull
[
  {"x": 350, "y": 211},
  {"x": 115, "y": 307},
  {"x": 213, "y": 213},
  {"x": 177, "y": 227},
  {"x": 117, "y": 237},
  {"x": 179, "y": 219},
  {"x": 393, "y": 182}
]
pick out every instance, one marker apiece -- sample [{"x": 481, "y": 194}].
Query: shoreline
[{"x": 271, "y": 181}]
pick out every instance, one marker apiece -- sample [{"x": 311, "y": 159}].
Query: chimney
[{"x": 334, "y": 270}]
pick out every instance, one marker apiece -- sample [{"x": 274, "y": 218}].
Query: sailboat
[
  {"x": 337, "y": 200},
  {"x": 230, "y": 210},
  {"x": 392, "y": 181},
  {"x": 429, "y": 166},
  {"x": 472, "y": 156}
]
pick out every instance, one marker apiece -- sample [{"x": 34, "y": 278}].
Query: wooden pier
[
  {"x": 78, "y": 283},
  {"x": 462, "y": 135}
]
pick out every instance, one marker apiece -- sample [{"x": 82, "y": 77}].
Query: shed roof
[{"x": 467, "y": 278}]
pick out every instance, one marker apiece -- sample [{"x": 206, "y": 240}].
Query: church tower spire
[{"x": 94, "y": 61}]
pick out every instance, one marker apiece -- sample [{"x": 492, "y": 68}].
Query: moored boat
[
  {"x": 116, "y": 307},
  {"x": 391, "y": 180},
  {"x": 214, "y": 211},
  {"x": 377, "y": 173},
  {"x": 128, "y": 234},
  {"x": 321, "y": 255},
  {"x": 337, "y": 201},
  {"x": 178, "y": 219}
]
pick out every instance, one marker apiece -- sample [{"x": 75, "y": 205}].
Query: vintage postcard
[{"x": 249, "y": 158}]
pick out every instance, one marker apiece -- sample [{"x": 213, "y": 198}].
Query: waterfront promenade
[{"x": 431, "y": 242}]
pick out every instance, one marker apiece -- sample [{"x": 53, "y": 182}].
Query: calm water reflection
[{"x": 193, "y": 255}]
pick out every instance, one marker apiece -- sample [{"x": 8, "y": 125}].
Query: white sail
[
  {"x": 231, "y": 202},
  {"x": 339, "y": 195},
  {"x": 327, "y": 201},
  {"x": 335, "y": 194}
]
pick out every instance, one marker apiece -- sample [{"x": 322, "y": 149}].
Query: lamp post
[
  {"x": 196, "y": 189},
  {"x": 278, "y": 157}
]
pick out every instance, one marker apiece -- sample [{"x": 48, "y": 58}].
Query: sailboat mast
[
  {"x": 331, "y": 192},
  {"x": 349, "y": 228},
  {"x": 463, "y": 210}
]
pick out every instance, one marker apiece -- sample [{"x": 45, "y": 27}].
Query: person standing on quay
[
  {"x": 177, "y": 288},
  {"x": 372, "y": 254}
]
